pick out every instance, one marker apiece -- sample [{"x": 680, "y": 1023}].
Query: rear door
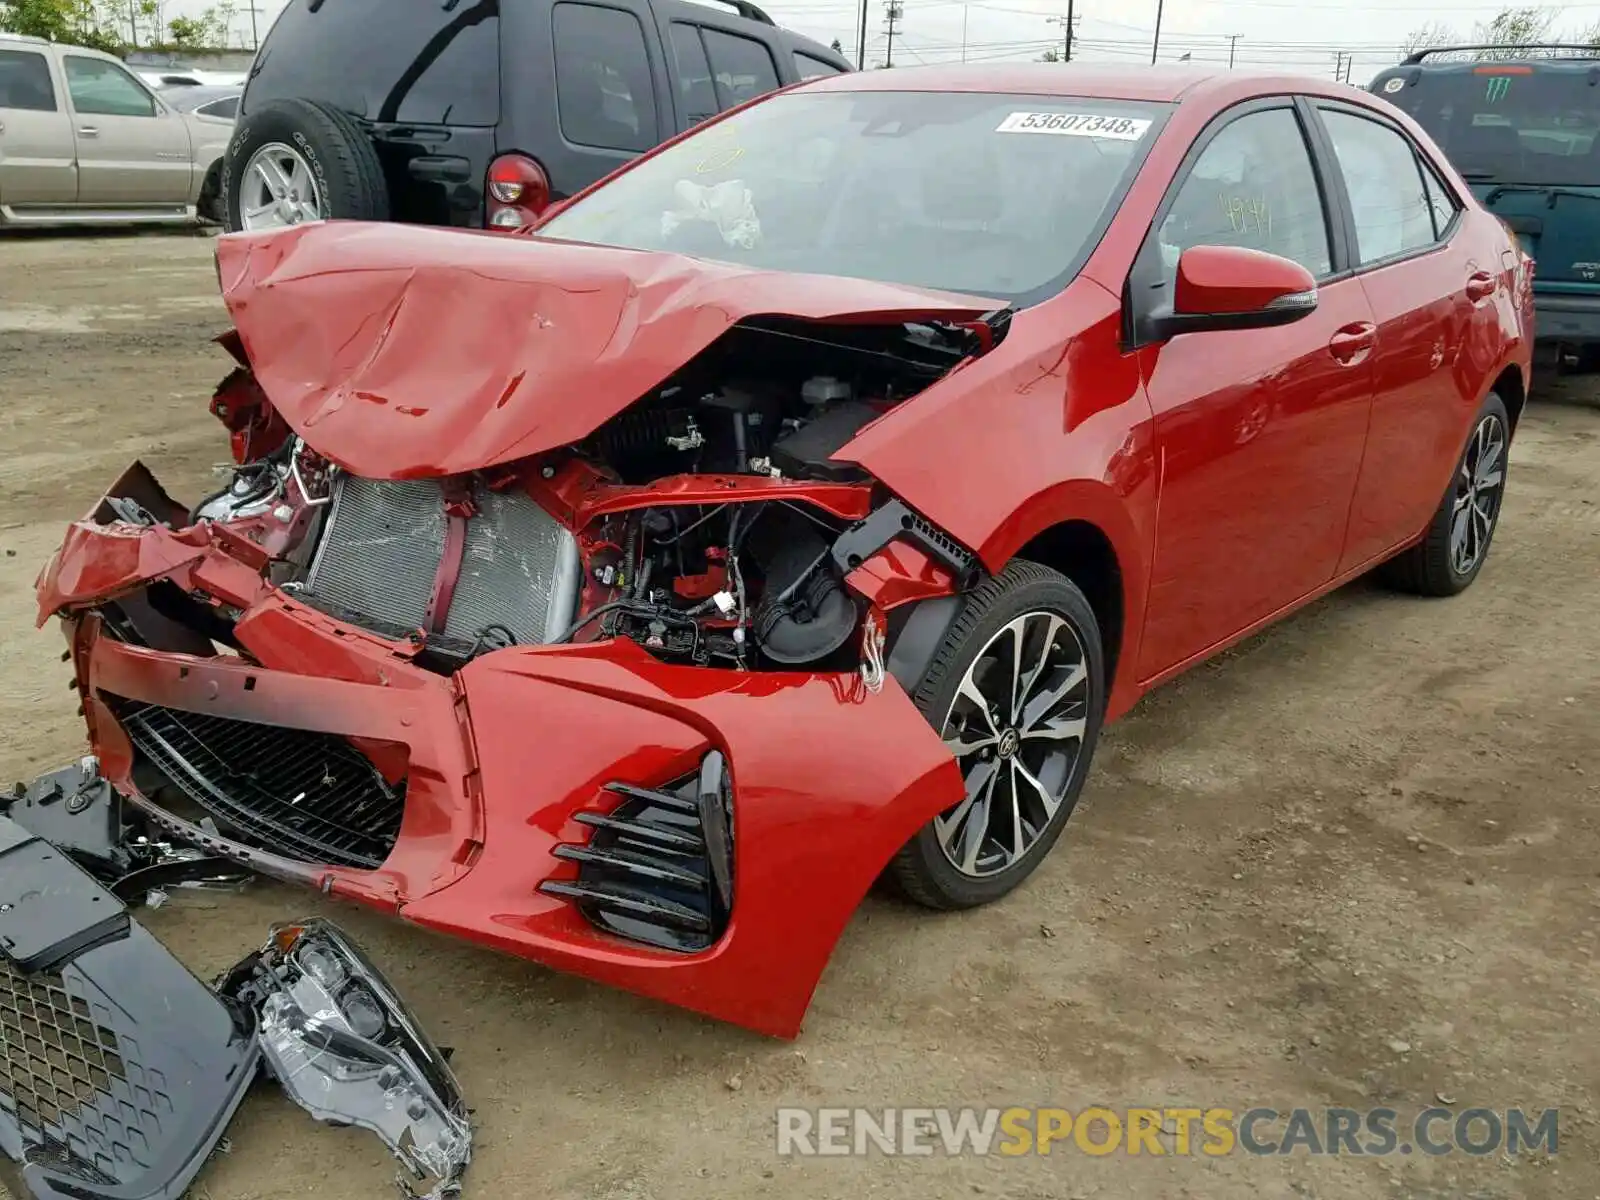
[
  {"x": 133, "y": 151},
  {"x": 1433, "y": 297},
  {"x": 36, "y": 148},
  {"x": 609, "y": 87}
]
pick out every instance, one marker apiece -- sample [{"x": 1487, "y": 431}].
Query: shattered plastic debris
[
  {"x": 77, "y": 810},
  {"x": 345, "y": 1049}
]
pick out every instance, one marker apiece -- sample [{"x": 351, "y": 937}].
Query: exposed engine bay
[{"x": 627, "y": 533}]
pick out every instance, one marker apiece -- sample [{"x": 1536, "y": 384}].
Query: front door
[
  {"x": 132, "y": 150},
  {"x": 36, "y": 150},
  {"x": 1259, "y": 433}
]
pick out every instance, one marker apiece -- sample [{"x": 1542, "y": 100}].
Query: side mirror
[{"x": 1231, "y": 287}]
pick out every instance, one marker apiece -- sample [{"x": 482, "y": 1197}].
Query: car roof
[
  {"x": 186, "y": 96},
  {"x": 1156, "y": 84}
]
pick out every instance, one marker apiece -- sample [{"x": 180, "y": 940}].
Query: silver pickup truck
[{"x": 84, "y": 141}]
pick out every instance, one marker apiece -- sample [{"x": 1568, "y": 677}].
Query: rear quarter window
[
  {"x": 416, "y": 62},
  {"x": 813, "y": 68}
]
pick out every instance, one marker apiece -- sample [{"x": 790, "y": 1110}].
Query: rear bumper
[
  {"x": 500, "y": 761},
  {"x": 1565, "y": 317}
]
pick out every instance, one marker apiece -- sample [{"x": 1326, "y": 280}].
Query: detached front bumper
[{"x": 507, "y": 773}]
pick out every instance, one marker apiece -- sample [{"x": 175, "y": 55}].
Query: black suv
[{"x": 482, "y": 112}]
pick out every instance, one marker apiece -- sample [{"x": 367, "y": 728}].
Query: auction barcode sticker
[{"x": 1122, "y": 129}]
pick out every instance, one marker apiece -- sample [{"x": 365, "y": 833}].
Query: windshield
[
  {"x": 1537, "y": 127},
  {"x": 997, "y": 196}
]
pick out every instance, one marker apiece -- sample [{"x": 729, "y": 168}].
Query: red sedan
[{"x": 794, "y": 507}]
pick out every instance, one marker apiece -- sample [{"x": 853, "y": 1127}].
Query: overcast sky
[{"x": 1299, "y": 35}]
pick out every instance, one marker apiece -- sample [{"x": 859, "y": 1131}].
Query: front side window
[
  {"x": 996, "y": 196},
  {"x": 25, "y": 81},
  {"x": 104, "y": 89},
  {"x": 1252, "y": 186},
  {"x": 604, "y": 96},
  {"x": 741, "y": 66},
  {"x": 1384, "y": 180}
]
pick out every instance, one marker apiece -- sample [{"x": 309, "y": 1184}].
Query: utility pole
[
  {"x": 861, "y": 39},
  {"x": 1338, "y": 66},
  {"x": 1233, "y": 44},
  {"x": 964, "y": 8},
  {"x": 895, "y": 10},
  {"x": 255, "y": 42},
  {"x": 1155, "y": 42},
  {"x": 1067, "y": 22}
]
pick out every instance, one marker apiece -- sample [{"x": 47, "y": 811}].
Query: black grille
[
  {"x": 658, "y": 868},
  {"x": 58, "y": 1071},
  {"x": 307, "y": 796}
]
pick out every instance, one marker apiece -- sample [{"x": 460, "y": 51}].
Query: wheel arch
[
  {"x": 211, "y": 189},
  {"x": 1509, "y": 386},
  {"x": 1083, "y": 552},
  {"x": 1100, "y": 538}
]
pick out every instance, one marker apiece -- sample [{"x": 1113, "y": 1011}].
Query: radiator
[{"x": 383, "y": 540}]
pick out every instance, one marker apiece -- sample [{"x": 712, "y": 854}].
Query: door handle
[
  {"x": 1352, "y": 343},
  {"x": 88, "y": 131},
  {"x": 1480, "y": 286},
  {"x": 2, "y": 126}
]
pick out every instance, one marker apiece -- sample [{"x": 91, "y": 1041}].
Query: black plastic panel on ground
[{"x": 119, "y": 1070}]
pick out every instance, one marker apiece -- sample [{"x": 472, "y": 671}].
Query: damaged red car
[{"x": 791, "y": 509}]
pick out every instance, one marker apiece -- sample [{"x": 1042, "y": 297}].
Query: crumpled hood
[{"x": 401, "y": 352}]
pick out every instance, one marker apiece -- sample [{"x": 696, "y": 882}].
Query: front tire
[
  {"x": 1017, "y": 691},
  {"x": 1452, "y": 552}
]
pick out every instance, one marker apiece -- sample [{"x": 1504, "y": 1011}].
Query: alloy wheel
[
  {"x": 277, "y": 189},
  {"x": 1016, "y": 727},
  {"x": 1480, "y": 485}
]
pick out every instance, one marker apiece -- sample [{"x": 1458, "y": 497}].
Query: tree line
[{"x": 117, "y": 26}]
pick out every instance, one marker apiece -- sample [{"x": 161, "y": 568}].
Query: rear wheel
[
  {"x": 1450, "y": 555},
  {"x": 1017, "y": 692}
]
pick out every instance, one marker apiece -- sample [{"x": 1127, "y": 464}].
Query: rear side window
[
  {"x": 604, "y": 96},
  {"x": 812, "y": 68},
  {"x": 1384, "y": 179},
  {"x": 696, "y": 93},
  {"x": 1499, "y": 124},
  {"x": 425, "y": 62},
  {"x": 99, "y": 88},
  {"x": 25, "y": 81},
  {"x": 228, "y": 108},
  {"x": 742, "y": 67}
]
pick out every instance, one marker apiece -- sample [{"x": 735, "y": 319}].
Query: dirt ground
[{"x": 1354, "y": 862}]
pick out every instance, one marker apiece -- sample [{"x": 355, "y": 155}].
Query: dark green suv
[{"x": 1522, "y": 126}]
